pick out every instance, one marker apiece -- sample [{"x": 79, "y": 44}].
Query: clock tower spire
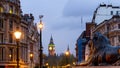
[{"x": 51, "y": 47}]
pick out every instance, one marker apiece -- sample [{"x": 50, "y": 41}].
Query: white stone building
[{"x": 105, "y": 12}]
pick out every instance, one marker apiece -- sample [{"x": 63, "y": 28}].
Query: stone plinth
[{"x": 96, "y": 67}]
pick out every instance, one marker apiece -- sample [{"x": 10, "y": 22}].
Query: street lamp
[
  {"x": 17, "y": 35},
  {"x": 31, "y": 56},
  {"x": 67, "y": 54},
  {"x": 31, "y": 59},
  {"x": 40, "y": 26}
]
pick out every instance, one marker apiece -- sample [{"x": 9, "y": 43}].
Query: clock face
[{"x": 50, "y": 48}]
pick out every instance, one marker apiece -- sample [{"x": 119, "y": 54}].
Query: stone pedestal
[{"x": 96, "y": 67}]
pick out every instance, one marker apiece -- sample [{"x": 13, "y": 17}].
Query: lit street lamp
[
  {"x": 67, "y": 53},
  {"x": 17, "y": 35},
  {"x": 40, "y": 26},
  {"x": 31, "y": 59},
  {"x": 31, "y": 56}
]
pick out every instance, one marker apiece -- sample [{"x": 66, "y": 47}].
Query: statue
[{"x": 102, "y": 53}]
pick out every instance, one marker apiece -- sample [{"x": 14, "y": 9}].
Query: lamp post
[
  {"x": 31, "y": 59},
  {"x": 40, "y": 26},
  {"x": 67, "y": 53},
  {"x": 17, "y": 35}
]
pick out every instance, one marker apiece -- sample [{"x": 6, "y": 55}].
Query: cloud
[
  {"x": 78, "y": 8},
  {"x": 70, "y": 23},
  {"x": 84, "y": 7},
  {"x": 75, "y": 9}
]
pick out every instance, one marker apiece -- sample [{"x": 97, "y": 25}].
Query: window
[
  {"x": 16, "y": 11},
  {"x": 117, "y": 12},
  {"x": 11, "y": 9},
  {"x": 1, "y": 37},
  {"x": 108, "y": 28},
  {"x": 111, "y": 12},
  {"x": 1, "y": 23},
  {"x": 10, "y": 38},
  {"x": 10, "y": 54},
  {"x": 112, "y": 41},
  {"x": 119, "y": 38},
  {"x": 1, "y": 9},
  {"x": 10, "y": 25},
  {"x": 2, "y": 54},
  {"x": 118, "y": 26}
]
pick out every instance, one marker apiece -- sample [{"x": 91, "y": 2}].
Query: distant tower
[
  {"x": 68, "y": 51},
  {"x": 51, "y": 47},
  {"x": 68, "y": 48}
]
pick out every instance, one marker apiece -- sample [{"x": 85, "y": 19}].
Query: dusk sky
[{"x": 62, "y": 19}]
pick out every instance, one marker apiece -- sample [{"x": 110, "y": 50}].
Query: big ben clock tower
[{"x": 51, "y": 47}]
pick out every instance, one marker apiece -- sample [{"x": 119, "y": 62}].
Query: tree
[{"x": 64, "y": 60}]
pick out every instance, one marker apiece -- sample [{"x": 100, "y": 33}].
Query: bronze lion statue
[{"x": 102, "y": 53}]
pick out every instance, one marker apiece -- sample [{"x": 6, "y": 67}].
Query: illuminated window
[
  {"x": 1, "y": 9},
  {"x": 11, "y": 9},
  {"x": 10, "y": 54}
]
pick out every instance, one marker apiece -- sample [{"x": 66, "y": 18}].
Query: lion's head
[{"x": 100, "y": 41}]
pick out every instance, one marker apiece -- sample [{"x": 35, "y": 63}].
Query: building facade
[
  {"x": 10, "y": 18},
  {"x": 80, "y": 48},
  {"x": 32, "y": 37},
  {"x": 111, "y": 29}
]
